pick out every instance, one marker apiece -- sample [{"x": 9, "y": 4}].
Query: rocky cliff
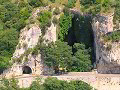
[
  {"x": 22, "y": 57},
  {"x": 107, "y": 53}
]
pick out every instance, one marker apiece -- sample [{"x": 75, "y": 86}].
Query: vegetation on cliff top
[{"x": 44, "y": 18}]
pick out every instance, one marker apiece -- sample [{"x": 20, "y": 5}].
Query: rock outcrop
[
  {"x": 23, "y": 57},
  {"x": 107, "y": 53}
]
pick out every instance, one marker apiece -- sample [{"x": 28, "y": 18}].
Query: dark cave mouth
[
  {"x": 27, "y": 70},
  {"x": 81, "y": 32}
]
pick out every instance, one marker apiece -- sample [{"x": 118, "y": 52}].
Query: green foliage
[
  {"x": 117, "y": 11},
  {"x": 114, "y": 37},
  {"x": 71, "y": 3},
  {"x": 86, "y": 2},
  {"x": 65, "y": 23},
  {"x": 24, "y": 13},
  {"x": 13, "y": 16},
  {"x": 45, "y": 20},
  {"x": 81, "y": 59},
  {"x": 49, "y": 84},
  {"x": 56, "y": 11},
  {"x": 60, "y": 55},
  {"x": 12, "y": 20},
  {"x": 9, "y": 84},
  {"x": 8, "y": 42},
  {"x": 55, "y": 20},
  {"x": 36, "y": 3},
  {"x": 53, "y": 1},
  {"x": 55, "y": 84},
  {"x": 82, "y": 29},
  {"x": 97, "y": 6},
  {"x": 25, "y": 54},
  {"x": 36, "y": 85},
  {"x": 80, "y": 85}
]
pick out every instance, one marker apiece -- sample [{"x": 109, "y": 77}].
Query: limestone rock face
[
  {"x": 28, "y": 40},
  {"x": 107, "y": 53}
]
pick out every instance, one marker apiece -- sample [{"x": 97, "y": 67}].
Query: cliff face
[
  {"x": 22, "y": 57},
  {"x": 107, "y": 53}
]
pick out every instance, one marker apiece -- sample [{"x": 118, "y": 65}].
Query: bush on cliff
[
  {"x": 114, "y": 36},
  {"x": 65, "y": 23},
  {"x": 45, "y": 20}
]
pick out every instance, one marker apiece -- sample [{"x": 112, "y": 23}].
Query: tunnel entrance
[{"x": 27, "y": 70}]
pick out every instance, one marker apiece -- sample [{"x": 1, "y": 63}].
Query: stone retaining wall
[{"x": 98, "y": 81}]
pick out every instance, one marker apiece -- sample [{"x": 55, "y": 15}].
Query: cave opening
[
  {"x": 1, "y": 71},
  {"x": 27, "y": 70},
  {"x": 81, "y": 32}
]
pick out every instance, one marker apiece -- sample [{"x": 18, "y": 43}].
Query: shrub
[
  {"x": 44, "y": 19},
  {"x": 66, "y": 11},
  {"x": 65, "y": 23},
  {"x": 86, "y": 2},
  {"x": 53, "y": 1},
  {"x": 25, "y": 45},
  {"x": 49, "y": 84},
  {"x": 80, "y": 85},
  {"x": 36, "y": 3},
  {"x": 55, "y": 84},
  {"x": 56, "y": 11},
  {"x": 24, "y": 13},
  {"x": 9, "y": 84},
  {"x": 109, "y": 46},
  {"x": 114, "y": 36},
  {"x": 55, "y": 20},
  {"x": 71, "y": 3}
]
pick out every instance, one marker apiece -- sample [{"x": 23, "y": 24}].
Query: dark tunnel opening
[{"x": 27, "y": 70}]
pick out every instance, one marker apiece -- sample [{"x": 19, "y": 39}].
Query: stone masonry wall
[{"x": 98, "y": 81}]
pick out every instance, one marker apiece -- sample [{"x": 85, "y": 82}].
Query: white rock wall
[
  {"x": 28, "y": 38},
  {"x": 107, "y": 61}
]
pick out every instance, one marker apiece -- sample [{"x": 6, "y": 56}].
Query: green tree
[
  {"x": 8, "y": 42},
  {"x": 71, "y": 3},
  {"x": 55, "y": 84},
  {"x": 58, "y": 54},
  {"x": 65, "y": 23},
  {"x": 9, "y": 84},
  {"x": 36, "y": 85},
  {"x": 81, "y": 58},
  {"x": 80, "y": 85},
  {"x": 62, "y": 55}
]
